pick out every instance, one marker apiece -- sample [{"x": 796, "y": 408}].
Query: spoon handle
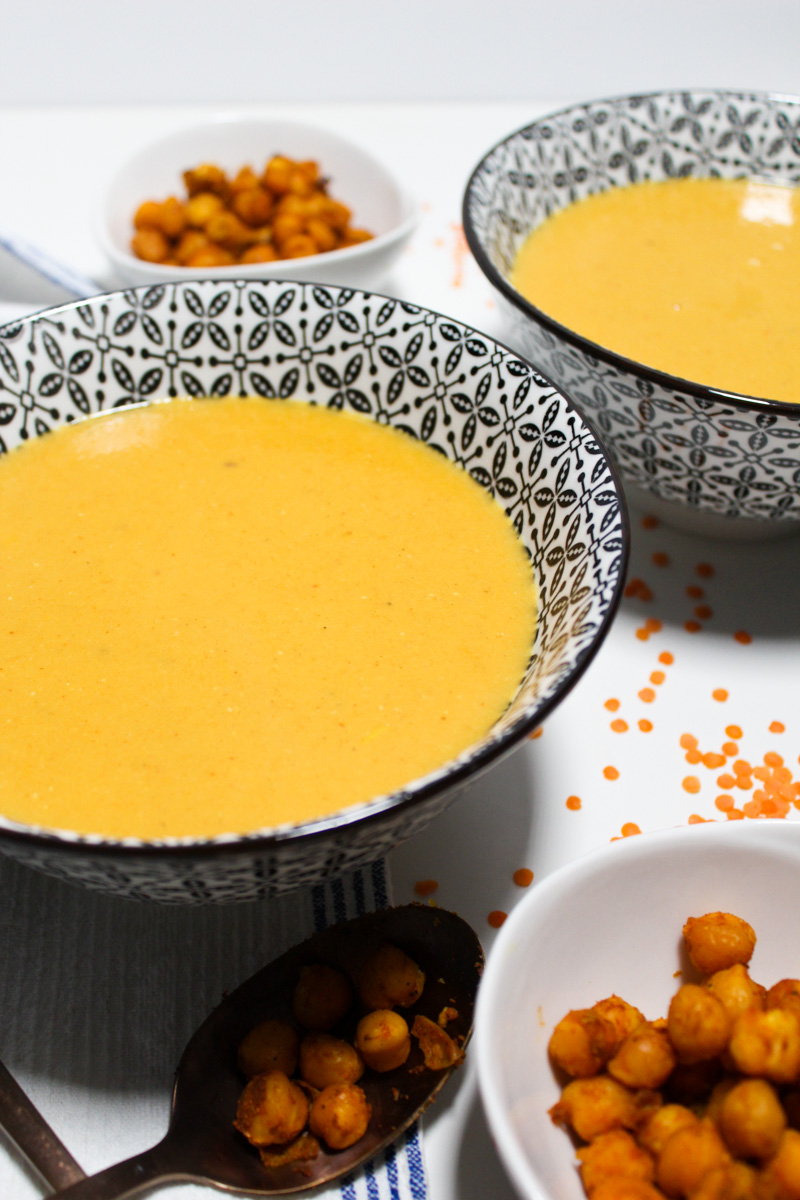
[
  {"x": 129, "y": 1177},
  {"x": 28, "y": 1129}
]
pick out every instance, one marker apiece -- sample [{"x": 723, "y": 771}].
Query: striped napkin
[{"x": 100, "y": 995}]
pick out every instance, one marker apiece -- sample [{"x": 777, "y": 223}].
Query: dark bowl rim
[
  {"x": 663, "y": 379},
  {"x": 379, "y": 807}
]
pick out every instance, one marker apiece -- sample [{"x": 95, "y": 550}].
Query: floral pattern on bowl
[{"x": 468, "y": 397}]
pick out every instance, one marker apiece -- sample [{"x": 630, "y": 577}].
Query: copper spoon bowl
[{"x": 201, "y": 1144}]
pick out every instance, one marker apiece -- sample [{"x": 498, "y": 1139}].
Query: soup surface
[
  {"x": 697, "y": 277},
  {"x": 222, "y": 615}
]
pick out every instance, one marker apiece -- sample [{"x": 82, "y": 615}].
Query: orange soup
[
  {"x": 224, "y": 615},
  {"x": 696, "y": 277}
]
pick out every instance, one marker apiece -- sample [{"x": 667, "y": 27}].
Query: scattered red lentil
[
  {"x": 666, "y": 658},
  {"x": 647, "y": 695},
  {"x": 733, "y": 731},
  {"x": 630, "y": 829},
  {"x": 691, "y": 784},
  {"x": 696, "y": 819},
  {"x": 712, "y": 760},
  {"x": 496, "y": 918},
  {"x": 653, "y": 624},
  {"x": 692, "y": 626},
  {"x": 704, "y": 570},
  {"x": 742, "y": 767},
  {"x": 649, "y": 522},
  {"x": 689, "y": 741},
  {"x": 657, "y": 677},
  {"x": 426, "y": 887},
  {"x": 523, "y": 877},
  {"x": 573, "y": 803},
  {"x": 638, "y": 589},
  {"x": 730, "y": 749},
  {"x": 703, "y": 612},
  {"x": 719, "y": 694},
  {"x": 726, "y": 781},
  {"x": 693, "y": 757},
  {"x": 660, "y": 559},
  {"x": 743, "y": 637},
  {"x": 772, "y": 759},
  {"x": 724, "y": 803},
  {"x": 694, "y": 592},
  {"x": 611, "y": 772},
  {"x": 777, "y": 727},
  {"x": 611, "y": 704},
  {"x": 735, "y": 814},
  {"x": 645, "y": 725},
  {"x": 619, "y": 726}
]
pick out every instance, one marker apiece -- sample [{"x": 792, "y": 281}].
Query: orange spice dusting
[
  {"x": 573, "y": 803},
  {"x": 657, "y": 677},
  {"x": 649, "y": 522},
  {"x": 694, "y": 592},
  {"x": 743, "y": 637},
  {"x": 611, "y": 772},
  {"x": 704, "y": 570},
  {"x": 719, "y": 694},
  {"x": 523, "y": 877},
  {"x": 619, "y": 726},
  {"x": 647, "y": 695},
  {"x": 724, "y": 803},
  {"x": 730, "y": 749},
  {"x": 733, "y": 731},
  {"x": 638, "y": 589},
  {"x": 642, "y": 633},
  {"x": 630, "y": 829},
  {"x": 777, "y": 727},
  {"x": 691, "y": 784},
  {"x": 666, "y": 658},
  {"x": 689, "y": 741},
  {"x": 660, "y": 559},
  {"x": 645, "y": 725},
  {"x": 726, "y": 781},
  {"x": 703, "y": 612},
  {"x": 426, "y": 887},
  {"x": 496, "y": 918},
  {"x": 692, "y": 626},
  {"x": 537, "y": 733},
  {"x": 693, "y": 757},
  {"x": 653, "y": 624},
  {"x": 611, "y": 704}
]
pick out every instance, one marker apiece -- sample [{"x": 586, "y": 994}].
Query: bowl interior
[
  {"x": 356, "y": 178},
  {"x": 611, "y": 923}
]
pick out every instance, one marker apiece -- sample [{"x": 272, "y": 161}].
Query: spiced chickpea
[
  {"x": 735, "y": 990},
  {"x": 340, "y": 1115},
  {"x": 784, "y": 994},
  {"x": 767, "y": 1044},
  {"x": 697, "y": 1023},
  {"x": 781, "y": 1175},
  {"x": 645, "y": 1059},
  {"x": 752, "y": 1120},
  {"x": 390, "y": 979},
  {"x": 618, "y": 1187},
  {"x": 271, "y": 1046},
  {"x": 383, "y": 1040},
  {"x": 582, "y": 1042},
  {"x": 687, "y": 1155},
  {"x": 718, "y": 940},
  {"x": 614, "y": 1155},
  {"x": 730, "y": 1181},
  {"x": 272, "y": 1109},
  {"x": 200, "y": 208},
  {"x": 595, "y": 1105},
  {"x": 623, "y": 1016},
  {"x": 322, "y": 996},
  {"x": 654, "y": 1132},
  {"x": 325, "y": 1060},
  {"x": 150, "y": 245}
]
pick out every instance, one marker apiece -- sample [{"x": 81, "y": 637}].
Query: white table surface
[{"x": 523, "y": 813}]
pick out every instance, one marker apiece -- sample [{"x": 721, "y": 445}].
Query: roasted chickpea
[
  {"x": 171, "y": 218},
  {"x": 645, "y": 1059},
  {"x": 150, "y": 245},
  {"x": 383, "y": 1040},
  {"x": 244, "y": 179},
  {"x": 735, "y": 990},
  {"x": 731, "y": 1181},
  {"x": 390, "y": 979},
  {"x": 322, "y": 234},
  {"x": 618, "y": 1187},
  {"x": 201, "y": 207},
  {"x": 340, "y": 1115},
  {"x": 785, "y": 994},
  {"x": 687, "y": 1155},
  {"x": 270, "y": 1046},
  {"x": 147, "y": 215},
  {"x": 613, "y": 1155},
  {"x": 299, "y": 246},
  {"x": 623, "y": 1016},
  {"x": 582, "y": 1042},
  {"x": 752, "y": 1120},
  {"x": 227, "y": 230},
  {"x": 322, "y": 997},
  {"x": 210, "y": 256},
  {"x": 207, "y": 178},
  {"x": 272, "y": 1109},
  {"x": 697, "y": 1024},
  {"x": 263, "y": 252},
  {"x": 718, "y": 940},
  {"x": 767, "y": 1044},
  {"x": 325, "y": 1060},
  {"x": 593, "y": 1106},
  {"x": 191, "y": 243},
  {"x": 653, "y": 1133},
  {"x": 252, "y": 205},
  {"x": 781, "y": 1175},
  {"x": 277, "y": 174}
]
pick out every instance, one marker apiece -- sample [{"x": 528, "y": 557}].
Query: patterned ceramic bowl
[
  {"x": 473, "y": 400},
  {"x": 700, "y": 458}
]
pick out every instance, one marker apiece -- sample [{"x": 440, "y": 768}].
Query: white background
[{"x": 262, "y": 51}]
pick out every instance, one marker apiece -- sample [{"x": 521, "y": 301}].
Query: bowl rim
[
  {"x": 663, "y": 379},
  {"x": 567, "y": 878},
  {"x": 409, "y": 205},
  {"x": 448, "y": 776}
]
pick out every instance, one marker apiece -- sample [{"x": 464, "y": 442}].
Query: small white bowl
[
  {"x": 378, "y": 201},
  {"x": 611, "y": 923}
]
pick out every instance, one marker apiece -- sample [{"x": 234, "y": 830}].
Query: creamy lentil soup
[
  {"x": 696, "y": 277},
  {"x": 223, "y": 615}
]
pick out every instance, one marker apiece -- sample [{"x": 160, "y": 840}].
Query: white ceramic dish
[
  {"x": 378, "y": 200},
  {"x": 611, "y": 922}
]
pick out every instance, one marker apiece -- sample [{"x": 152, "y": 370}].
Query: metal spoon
[
  {"x": 26, "y": 1126},
  {"x": 201, "y": 1144}
]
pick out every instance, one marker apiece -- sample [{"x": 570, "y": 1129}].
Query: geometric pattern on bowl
[
  {"x": 400, "y": 365},
  {"x": 716, "y": 452}
]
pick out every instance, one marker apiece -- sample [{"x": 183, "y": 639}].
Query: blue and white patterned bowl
[
  {"x": 470, "y": 398},
  {"x": 700, "y": 458}
]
